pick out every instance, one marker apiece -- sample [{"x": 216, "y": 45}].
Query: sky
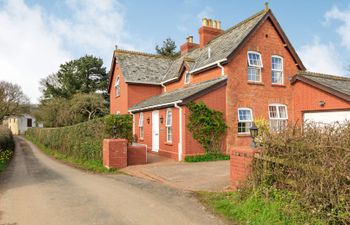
[{"x": 36, "y": 36}]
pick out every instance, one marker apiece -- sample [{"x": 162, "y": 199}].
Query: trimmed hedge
[
  {"x": 83, "y": 141},
  {"x": 207, "y": 157},
  {"x": 6, "y": 139}
]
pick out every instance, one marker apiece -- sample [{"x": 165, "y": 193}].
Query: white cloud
[
  {"x": 320, "y": 57},
  {"x": 34, "y": 43},
  {"x": 344, "y": 29}
]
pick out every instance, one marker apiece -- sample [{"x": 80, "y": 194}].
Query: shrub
[
  {"x": 312, "y": 162},
  {"x": 83, "y": 141},
  {"x": 6, "y": 139},
  {"x": 207, "y": 157},
  {"x": 207, "y": 126}
]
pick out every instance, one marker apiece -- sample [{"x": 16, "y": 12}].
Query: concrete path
[
  {"x": 202, "y": 176},
  {"x": 36, "y": 190}
]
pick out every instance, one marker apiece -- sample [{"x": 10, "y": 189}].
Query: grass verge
[
  {"x": 5, "y": 158},
  {"x": 207, "y": 157},
  {"x": 279, "y": 207},
  {"x": 88, "y": 165}
]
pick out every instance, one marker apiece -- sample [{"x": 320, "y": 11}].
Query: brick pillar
[
  {"x": 241, "y": 165},
  {"x": 115, "y": 153}
]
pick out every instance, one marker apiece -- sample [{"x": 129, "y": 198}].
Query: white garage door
[{"x": 327, "y": 117}]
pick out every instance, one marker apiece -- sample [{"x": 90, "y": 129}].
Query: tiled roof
[
  {"x": 183, "y": 94},
  {"x": 330, "y": 82},
  {"x": 142, "y": 68},
  {"x": 150, "y": 68}
]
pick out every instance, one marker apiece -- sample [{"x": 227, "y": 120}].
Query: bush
[
  {"x": 83, "y": 141},
  {"x": 207, "y": 126},
  {"x": 312, "y": 162},
  {"x": 207, "y": 157},
  {"x": 6, "y": 139}
]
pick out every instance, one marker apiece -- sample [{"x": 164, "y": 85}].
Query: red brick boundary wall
[
  {"x": 137, "y": 154},
  {"x": 241, "y": 165},
  {"x": 117, "y": 154}
]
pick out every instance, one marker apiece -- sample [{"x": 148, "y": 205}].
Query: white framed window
[
  {"x": 141, "y": 125},
  {"x": 278, "y": 116},
  {"x": 277, "y": 69},
  {"x": 254, "y": 66},
  {"x": 245, "y": 120},
  {"x": 117, "y": 86},
  {"x": 168, "y": 124},
  {"x": 187, "y": 77}
]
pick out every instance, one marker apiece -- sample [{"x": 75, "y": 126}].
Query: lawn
[{"x": 279, "y": 207}]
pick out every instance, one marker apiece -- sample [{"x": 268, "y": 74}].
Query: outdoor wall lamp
[
  {"x": 161, "y": 119},
  {"x": 254, "y": 131},
  {"x": 148, "y": 120},
  {"x": 322, "y": 103}
]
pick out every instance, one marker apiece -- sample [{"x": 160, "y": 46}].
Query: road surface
[{"x": 37, "y": 190}]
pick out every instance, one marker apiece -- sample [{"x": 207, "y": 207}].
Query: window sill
[
  {"x": 256, "y": 83},
  {"x": 278, "y": 85},
  {"x": 141, "y": 139},
  {"x": 243, "y": 135},
  {"x": 168, "y": 143}
]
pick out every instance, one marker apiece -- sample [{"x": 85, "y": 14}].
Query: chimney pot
[
  {"x": 214, "y": 24},
  {"x": 204, "y": 22},
  {"x": 218, "y": 24},
  {"x": 190, "y": 39}
]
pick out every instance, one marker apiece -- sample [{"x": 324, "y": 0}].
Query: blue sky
[{"x": 38, "y": 35}]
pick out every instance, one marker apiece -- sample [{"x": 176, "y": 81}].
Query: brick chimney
[
  {"x": 188, "y": 46},
  {"x": 209, "y": 30}
]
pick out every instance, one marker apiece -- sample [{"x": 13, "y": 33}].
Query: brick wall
[
  {"x": 307, "y": 98},
  {"x": 241, "y": 165},
  {"x": 115, "y": 153},
  {"x": 241, "y": 93},
  {"x": 138, "y": 93},
  {"x": 118, "y": 103}
]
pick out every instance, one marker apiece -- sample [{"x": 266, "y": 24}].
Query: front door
[{"x": 155, "y": 131}]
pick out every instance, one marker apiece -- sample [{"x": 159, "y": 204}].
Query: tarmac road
[{"x": 37, "y": 190}]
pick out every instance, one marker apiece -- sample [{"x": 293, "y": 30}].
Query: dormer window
[
  {"x": 254, "y": 66},
  {"x": 187, "y": 77},
  {"x": 277, "y": 69},
  {"x": 117, "y": 87}
]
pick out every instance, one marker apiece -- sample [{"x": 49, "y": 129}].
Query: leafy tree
[
  {"x": 88, "y": 106},
  {"x": 12, "y": 100},
  {"x": 58, "y": 112},
  {"x": 83, "y": 75},
  {"x": 168, "y": 48}
]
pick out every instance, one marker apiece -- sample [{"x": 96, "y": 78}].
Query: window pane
[
  {"x": 244, "y": 115},
  {"x": 278, "y": 125},
  {"x": 273, "y": 112},
  {"x": 141, "y": 132},
  {"x": 282, "y": 111},
  {"x": 276, "y": 63},
  {"x": 168, "y": 118},
  {"x": 243, "y": 127},
  {"x": 254, "y": 59},
  {"x": 253, "y": 74},
  {"x": 169, "y": 134},
  {"x": 141, "y": 120},
  {"x": 276, "y": 77}
]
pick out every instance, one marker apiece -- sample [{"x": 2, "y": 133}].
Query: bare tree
[{"x": 12, "y": 100}]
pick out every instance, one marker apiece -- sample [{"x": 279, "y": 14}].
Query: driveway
[
  {"x": 37, "y": 190},
  {"x": 200, "y": 176}
]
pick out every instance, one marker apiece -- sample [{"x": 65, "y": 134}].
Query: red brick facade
[{"x": 267, "y": 39}]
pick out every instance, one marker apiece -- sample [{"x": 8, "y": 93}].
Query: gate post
[{"x": 115, "y": 153}]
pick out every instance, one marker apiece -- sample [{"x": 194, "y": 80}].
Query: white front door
[{"x": 155, "y": 131}]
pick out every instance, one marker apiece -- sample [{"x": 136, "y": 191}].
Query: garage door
[{"x": 327, "y": 117}]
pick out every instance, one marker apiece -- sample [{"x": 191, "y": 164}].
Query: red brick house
[{"x": 248, "y": 71}]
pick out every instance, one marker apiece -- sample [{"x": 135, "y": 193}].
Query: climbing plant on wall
[{"x": 207, "y": 126}]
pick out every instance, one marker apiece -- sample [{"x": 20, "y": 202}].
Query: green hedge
[
  {"x": 83, "y": 141},
  {"x": 6, "y": 139}
]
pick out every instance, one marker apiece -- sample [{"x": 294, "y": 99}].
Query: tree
[
  {"x": 88, "y": 105},
  {"x": 83, "y": 75},
  {"x": 12, "y": 100},
  {"x": 168, "y": 48},
  {"x": 58, "y": 112}
]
